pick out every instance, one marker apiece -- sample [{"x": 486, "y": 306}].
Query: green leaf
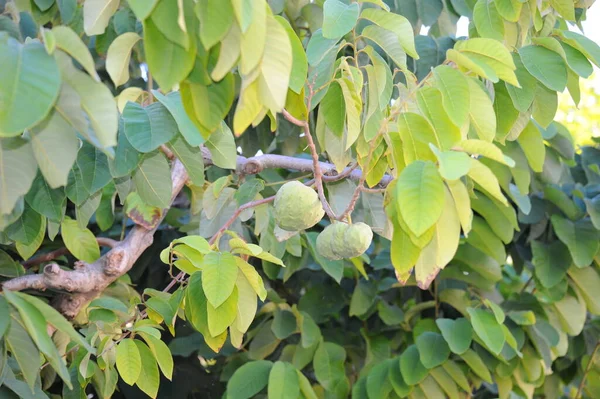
[
  {"x": 509, "y": 9},
  {"x": 221, "y": 317},
  {"x": 93, "y": 165},
  {"x": 420, "y": 193},
  {"x": 484, "y": 176},
  {"x": 149, "y": 378},
  {"x": 318, "y": 47},
  {"x": 452, "y": 164},
  {"x": 118, "y": 57},
  {"x": 565, "y": 8},
  {"x": 147, "y": 128},
  {"x": 545, "y": 65},
  {"x": 339, "y": 18},
  {"x": 587, "y": 46},
  {"x": 433, "y": 349},
  {"x": 129, "y": 361},
  {"x": 487, "y": 328},
  {"x": 152, "y": 180},
  {"x": 310, "y": 332},
  {"x": 486, "y": 149},
  {"x": 522, "y": 97},
  {"x": 100, "y": 122},
  {"x": 68, "y": 41},
  {"x": 55, "y": 145},
  {"x": 29, "y": 87},
  {"x": 249, "y": 379},
  {"x": 45, "y": 200},
  {"x": 35, "y": 323},
  {"x": 173, "y": 103},
  {"x": 80, "y": 242},
  {"x": 253, "y": 41},
  {"x": 284, "y": 323},
  {"x": 328, "y": 364},
  {"x": 580, "y": 237},
  {"x": 431, "y": 104},
  {"x": 551, "y": 262},
  {"x": 491, "y": 211},
  {"x": 126, "y": 157},
  {"x": 363, "y": 298},
  {"x": 208, "y": 104},
  {"x": 378, "y": 383},
  {"x": 219, "y": 273},
  {"x": 17, "y": 172},
  {"x": 275, "y": 67},
  {"x": 483, "y": 238},
  {"x": 388, "y": 41},
  {"x": 299, "y": 60},
  {"x": 283, "y": 382},
  {"x": 161, "y": 353},
  {"x": 476, "y": 364},
  {"x": 168, "y": 62},
  {"x": 76, "y": 190},
  {"x": 395, "y": 23},
  {"x": 24, "y": 351},
  {"x": 577, "y": 61},
  {"x": 215, "y": 20},
  {"x": 96, "y": 15},
  {"x": 413, "y": 371},
  {"x": 489, "y": 53},
  {"x": 28, "y": 249},
  {"x": 457, "y": 333},
  {"x": 455, "y": 93},
  {"x": 333, "y": 107},
  {"x": 26, "y": 228},
  {"x": 532, "y": 144},
  {"x": 488, "y": 21},
  {"x": 5, "y": 319},
  {"x": 190, "y": 157},
  {"x": 56, "y": 319},
  {"x": 142, "y": 8},
  {"x": 166, "y": 16}
]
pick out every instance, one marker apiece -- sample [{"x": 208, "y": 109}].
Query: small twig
[
  {"x": 526, "y": 284},
  {"x": 167, "y": 152},
  {"x": 316, "y": 165},
  {"x": 281, "y": 182},
  {"x": 587, "y": 370},
  {"x": 47, "y": 257},
  {"x": 149, "y": 87},
  {"x": 361, "y": 184},
  {"x": 345, "y": 173}
]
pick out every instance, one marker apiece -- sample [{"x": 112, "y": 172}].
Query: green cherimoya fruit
[
  {"x": 343, "y": 241},
  {"x": 297, "y": 207}
]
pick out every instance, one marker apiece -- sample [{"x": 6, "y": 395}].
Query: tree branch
[{"x": 88, "y": 280}]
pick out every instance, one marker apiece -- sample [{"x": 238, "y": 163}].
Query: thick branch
[{"x": 87, "y": 280}]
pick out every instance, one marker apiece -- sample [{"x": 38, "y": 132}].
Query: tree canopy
[{"x": 296, "y": 199}]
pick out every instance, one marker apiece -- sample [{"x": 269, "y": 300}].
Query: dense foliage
[{"x": 148, "y": 249}]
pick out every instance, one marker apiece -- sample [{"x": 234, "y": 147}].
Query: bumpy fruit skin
[
  {"x": 297, "y": 207},
  {"x": 343, "y": 241}
]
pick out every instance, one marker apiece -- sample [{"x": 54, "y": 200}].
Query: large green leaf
[
  {"x": 249, "y": 379},
  {"x": 333, "y": 108},
  {"x": 413, "y": 371},
  {"x": 29, "y": 85},
  {"x": 47, "y": 201},
  {"x": 487, "y": 328},
  {"x": 17, "y": 172},
  {"x": 80, "y": 242},
  {"x": 455, "y": 93},
  {"x": 166, "y": 16},
  {"x": 546, "y": 65},
  {"x": 118, "y": 57},
  {"x": 580, "y": 237},
  {"x": 485, "y": 54},
  {"x": 169, "y": 63},
  {"x": 299, "y": 60},
  {"x": 488, "y": 21},
  {"x": 93, "y": 166},
  {"x": 433, "y": 349},
  {"x": 23, "y": 350},
  {"x": 457, "y": 333},
  {"x": 148, "y": 127},
  {"x": 208, "y": 105},
  {"x": 68, "y": 41},
  {"x": 339, "y": 18},
  {"x": 149, "y": 378},
  {"x": 432, "y": 105},
  {"x": 126, "y": 157},
  {"x": 129, "y": 362},
  {"x": 26, "y": 228},
  {"x": 551, "y": 262},
  {"x": 222, "y": 316},
  {"x": 96, "y": 15},
  {"x": 481, "y": 111},
  {"x": 219, "y": 273},
  {"x": 395, "y": 23},
  {"x": 173, "y": 103},
  {"x": 161, "y": 353},
  {"x": 420, "y": 196},
  {"x": 329, "y": 364},
  {"x": 222, "y": 147},
  {"x": 152, "y": 180},
  {"x": 100, "y": 123},
  {"x": 388, "y": 41},
  {"x": 283, "y": 382},
  {"x": 215, "y": 20},
  {"x": 523, "y": 96},
  {"x": 190, "y": 157},
  {"x": 35, "y": 323}
]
